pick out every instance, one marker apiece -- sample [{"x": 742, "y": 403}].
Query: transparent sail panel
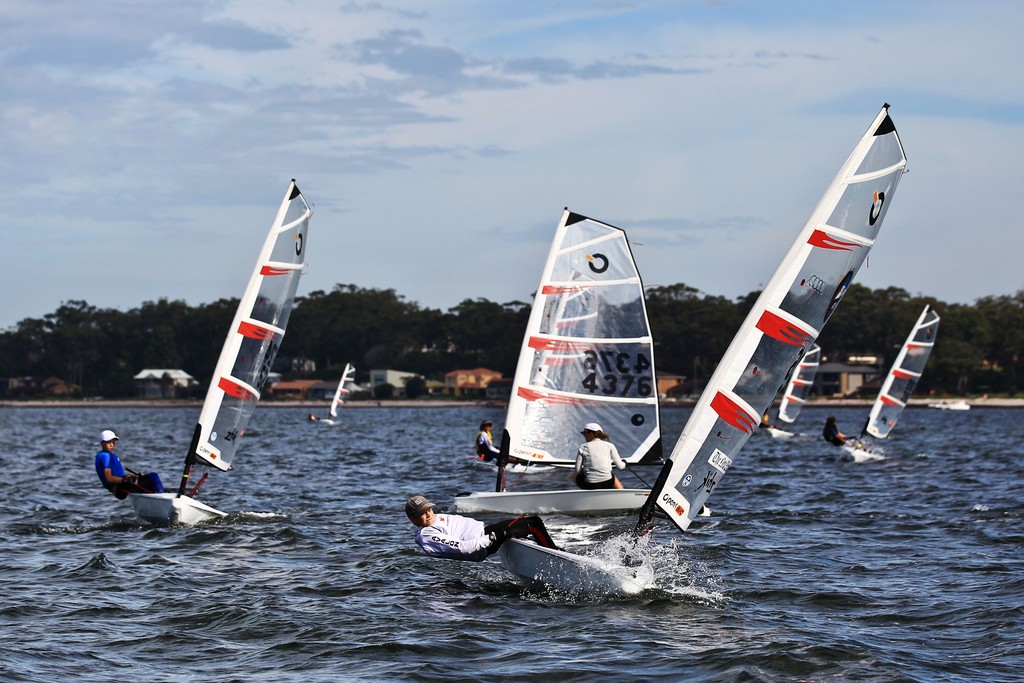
[
  {"x": 552, "y": 425},
  {"x": 862, "y": 207},
  {"x": 596, "y": 311}
]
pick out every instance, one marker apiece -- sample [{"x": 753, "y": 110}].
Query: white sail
[
  {"x": 339, "y": 395},
  {"x": 255, "y": 334},
  {"x": 587, "y": 355},
  {"x": 783, "y": 324},
  {"x": 800, "y": 385},
  {"x": 903, "y": 376}
]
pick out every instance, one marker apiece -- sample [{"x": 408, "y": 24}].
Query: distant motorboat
[{"x": 959, "y": 404}]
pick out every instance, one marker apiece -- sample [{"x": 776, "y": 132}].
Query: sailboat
[
  {"x": 899, "y": 384},
  {"x": 784, "y": 322},
  {"x": 245, "y": 360},
  {"x": 339, "y": 396},
  {"x": 587, "y": 356},
  {"x": 795, "y": 396}
]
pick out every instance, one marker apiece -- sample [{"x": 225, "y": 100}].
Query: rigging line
[{"x": 634, "y": 473}]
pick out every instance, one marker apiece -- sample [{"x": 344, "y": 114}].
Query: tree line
[{"x": 979, "y": 348}]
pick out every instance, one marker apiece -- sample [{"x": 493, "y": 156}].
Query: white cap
[
  {"x": 108, "y": 435},
  {"x": 592, "y": 427}
]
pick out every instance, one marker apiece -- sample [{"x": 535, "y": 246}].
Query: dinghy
[
  {"x": 898, "y": 386},
  {"x": 782, "y": 325},
  {"x": 587, "y": 356},
  {"x": 959, "y": 404},
  {"x": 246, "y": 358},
  {"x": 339, "y": 396}
]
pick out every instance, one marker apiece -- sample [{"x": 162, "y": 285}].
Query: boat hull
[
  {"x": 560, "y": 570},
  {"x": 777, "y": 433},
  {"x": 168, "y": 509},
  {"x": 570, "y": 501},
  {"x": 857, "y": 454}
]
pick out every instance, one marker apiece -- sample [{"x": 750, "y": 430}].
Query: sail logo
[
  {"x": 597, "y": 258},
  {"x": 732, "y": 414},
  {"x": 669, "y": 501},
  {"x": 720, "y": 461},
  {"x": 709, "y": 482},
  {"x": 837, "y": 296},
  {"x": 781, "y": 330},
  {"x": 814, "y": 283},
  {"x": 876, "y": 208},
  {"x": 298, "y": 243}
]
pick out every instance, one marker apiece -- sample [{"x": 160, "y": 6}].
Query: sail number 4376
[{"x": 616, "y": 372}]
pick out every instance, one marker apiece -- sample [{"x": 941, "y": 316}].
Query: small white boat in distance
[{"x": 959, "y": 404}]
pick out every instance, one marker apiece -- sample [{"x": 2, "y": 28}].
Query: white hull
[
  {"x": 565, "y": 571},
  {"x": 569, "y": 501},
  {"x": 776, "y": 433},
  {"x": 951, "y": 405},
  {"x": 167, "y": 509},
  {"x": 860, "y": 455}
]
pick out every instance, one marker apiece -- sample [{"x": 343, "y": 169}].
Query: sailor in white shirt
[{"x": 463, "y": 538}]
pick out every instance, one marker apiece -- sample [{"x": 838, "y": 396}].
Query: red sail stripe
[
  {"x": 542, "y": 344},
  {"x": 731, "y": 413},
  {"x": 782, "y": 330},
  {"x": 236, "y": 390},
  {"x": 534, "y": 395},
  {"x": 902, "y": 374},
  {"x": 820, "y": 238},
  {"x": 257, "y": 332},
  {"x": 274, "y": 270},
  {"x": 561, "y": 289},
  {"x": 889, "y": 401}
]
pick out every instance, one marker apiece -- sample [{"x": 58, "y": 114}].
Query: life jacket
[{"x": 481, "y": 449}]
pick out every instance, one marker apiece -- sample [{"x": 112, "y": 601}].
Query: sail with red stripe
[
  {"x": 341, "y": 392},
  {"x": 783, "y": 324},
  {"x": 800, "y": 386},
  {"x": 255, "y": 334},
  {"x": 903, "y": 375},
  {"x": 587, "y": 355}
]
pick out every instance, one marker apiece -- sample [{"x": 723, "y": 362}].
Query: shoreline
[{"x": 983, "y": 402}]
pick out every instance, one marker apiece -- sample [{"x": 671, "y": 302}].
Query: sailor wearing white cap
[
  {"x": 594, "y": 460},
  {"x": 112, "y": 473}
]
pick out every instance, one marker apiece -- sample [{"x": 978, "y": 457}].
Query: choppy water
[{"x": 811, "y": 569}]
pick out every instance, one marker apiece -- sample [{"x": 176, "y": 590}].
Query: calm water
[{"x": 811, "y": 569}]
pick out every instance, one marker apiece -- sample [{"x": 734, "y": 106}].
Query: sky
[{"x": 146, "y": 146}]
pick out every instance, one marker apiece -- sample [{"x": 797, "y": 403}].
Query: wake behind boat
[
  {"x": 246, "y": 358},
  {"x": 587, "y": 356},
  {"x": 782, "y": 325}
]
